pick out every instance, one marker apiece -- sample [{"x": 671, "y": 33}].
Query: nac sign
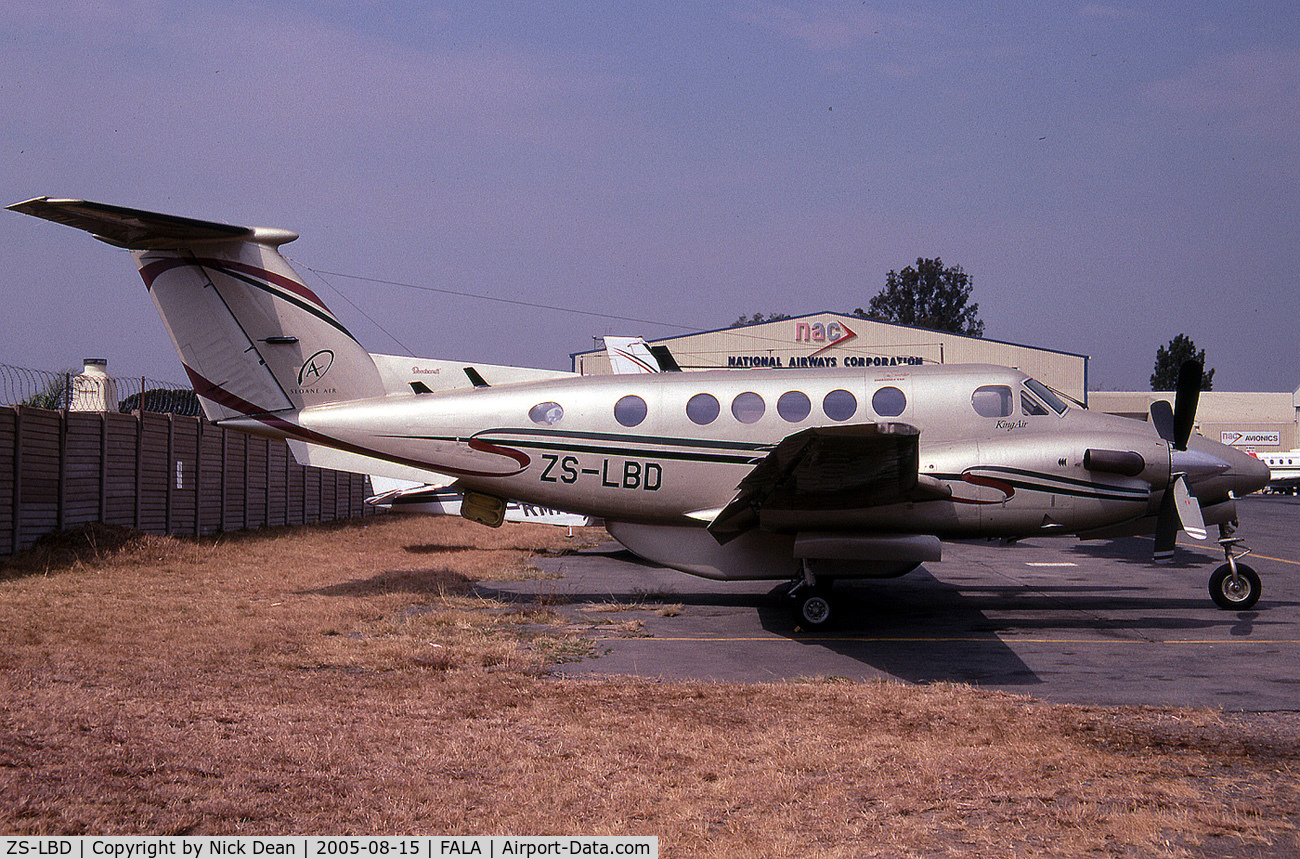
[
  {"x": 1230, "y": 437},
  {"x": 829, "y": 333}
]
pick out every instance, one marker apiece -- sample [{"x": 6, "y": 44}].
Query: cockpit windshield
[{"x": 1047, "y": 395}]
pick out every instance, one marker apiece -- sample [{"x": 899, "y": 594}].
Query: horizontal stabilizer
[
  {"x": 319, "y": 456},
  {"x": 135, "y": 229}
]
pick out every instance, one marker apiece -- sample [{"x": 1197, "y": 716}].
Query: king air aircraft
[{"x": 728, "y": 474}]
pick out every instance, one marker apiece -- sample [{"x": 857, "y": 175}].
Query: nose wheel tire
[{"x": 1235, "y": 590}]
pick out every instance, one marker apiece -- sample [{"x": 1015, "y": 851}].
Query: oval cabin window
[
  {"x": 630, "y": 410},
  {"x": 703, "y": 409},
  {"x": 839, "y": 405},
  {"x": 992, "y": 401},
  {"x": 889, "y": 402},
  {"x": 793, "y": 406},
  {"x": 748, "y": 407}
]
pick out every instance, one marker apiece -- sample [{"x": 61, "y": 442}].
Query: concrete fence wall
[{"x": 158, "y": 473}]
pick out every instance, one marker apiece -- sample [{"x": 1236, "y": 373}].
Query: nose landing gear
[{"x": 1234, "y": 586}]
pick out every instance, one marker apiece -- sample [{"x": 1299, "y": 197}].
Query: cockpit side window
[
  {"x": 1030, "y": 406},
  {"x": 992, "y": 401},
  {"x": 1046, "y": 394}
]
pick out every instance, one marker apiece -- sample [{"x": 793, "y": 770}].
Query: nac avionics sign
[{"x": 1231, "y": 437}]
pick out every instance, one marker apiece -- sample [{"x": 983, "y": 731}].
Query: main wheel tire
[
  {"x": 1235, "y": 594},
  {"x": 815, "y": 610}
]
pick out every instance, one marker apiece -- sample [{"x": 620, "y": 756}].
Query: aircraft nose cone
[
  {"x": 1214, "y": 469},
  {"x": 1248, "y": 474}
]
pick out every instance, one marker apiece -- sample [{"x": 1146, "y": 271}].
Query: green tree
[
  {"x": 1169, "y": 359},
  {"x": 177, "y": 401},
  {"x": 927, "y": 295},
  {"x": 757, "y": 318},
  {"x": 54, "y": 394}
]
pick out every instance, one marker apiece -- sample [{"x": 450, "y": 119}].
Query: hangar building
[
  {"x": 1257, "y": 422},
  {"x": 836, "y": 340}
]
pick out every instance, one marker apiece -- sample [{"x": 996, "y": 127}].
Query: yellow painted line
[
  {"x": 1251, "y": 555},
  {"x": 1267, "y": 558}
]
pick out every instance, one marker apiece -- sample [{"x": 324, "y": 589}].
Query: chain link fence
[{"x": 93, "y": 390}]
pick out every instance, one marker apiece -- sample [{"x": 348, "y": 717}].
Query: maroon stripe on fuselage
[
  {"x": 992, "y": 483},
  {"x": 207, "y": 389}
]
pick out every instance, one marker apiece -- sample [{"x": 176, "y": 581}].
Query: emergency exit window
[{"x": 992, "y": 401}]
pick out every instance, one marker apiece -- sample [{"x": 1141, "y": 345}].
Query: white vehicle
[{"x": 731, "y": 474}]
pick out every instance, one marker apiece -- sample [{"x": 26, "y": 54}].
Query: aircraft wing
[{"x": 828, "y": 469}]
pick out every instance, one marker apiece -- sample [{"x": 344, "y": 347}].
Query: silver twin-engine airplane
[{"x": 727, "y": 474}]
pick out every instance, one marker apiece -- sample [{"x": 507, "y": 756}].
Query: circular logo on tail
[{"x": 315, "y": 367}]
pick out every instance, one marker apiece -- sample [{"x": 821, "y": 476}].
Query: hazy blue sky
[{"x": 1110, "y": 175}]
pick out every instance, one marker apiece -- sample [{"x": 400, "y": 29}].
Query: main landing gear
[
  {"x": 813, "y": 608},
  {"x": 1234, "y": 586}
]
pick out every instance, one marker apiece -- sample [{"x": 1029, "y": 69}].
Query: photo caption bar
[{"x": 322, "y": 847}]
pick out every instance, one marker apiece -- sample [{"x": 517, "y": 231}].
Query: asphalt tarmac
[{"x": 1092, "y": 622}]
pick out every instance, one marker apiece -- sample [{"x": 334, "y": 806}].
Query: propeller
[{"x": 1179, "y": 510}]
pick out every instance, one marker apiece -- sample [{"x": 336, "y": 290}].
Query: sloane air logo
[{"x": 315, "y": 367}]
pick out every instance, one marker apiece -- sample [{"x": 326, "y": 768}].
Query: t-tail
[{"x": 254, "y": 339}]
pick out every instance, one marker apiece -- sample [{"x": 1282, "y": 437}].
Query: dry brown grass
[{"x": 345, "y": 679}]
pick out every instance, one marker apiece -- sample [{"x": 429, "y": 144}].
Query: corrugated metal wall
[{"x": 158, "y": 473}]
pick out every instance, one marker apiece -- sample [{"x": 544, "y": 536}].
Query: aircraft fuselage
[{"x": 667, "y": 449}]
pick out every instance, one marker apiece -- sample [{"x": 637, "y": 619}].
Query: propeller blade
[
  {"x": 1179, "y": 511},
  {"x": 1162, "y": 418},
  {"x": 1186, "y": 398},
  {"x": 1166, "y": 527},
  {"x": 1189, "y": 510}
]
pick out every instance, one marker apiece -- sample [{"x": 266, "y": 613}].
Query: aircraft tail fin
[
  {"x": 630, "y": 355},
  {"x": 252, "y": 336}
]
